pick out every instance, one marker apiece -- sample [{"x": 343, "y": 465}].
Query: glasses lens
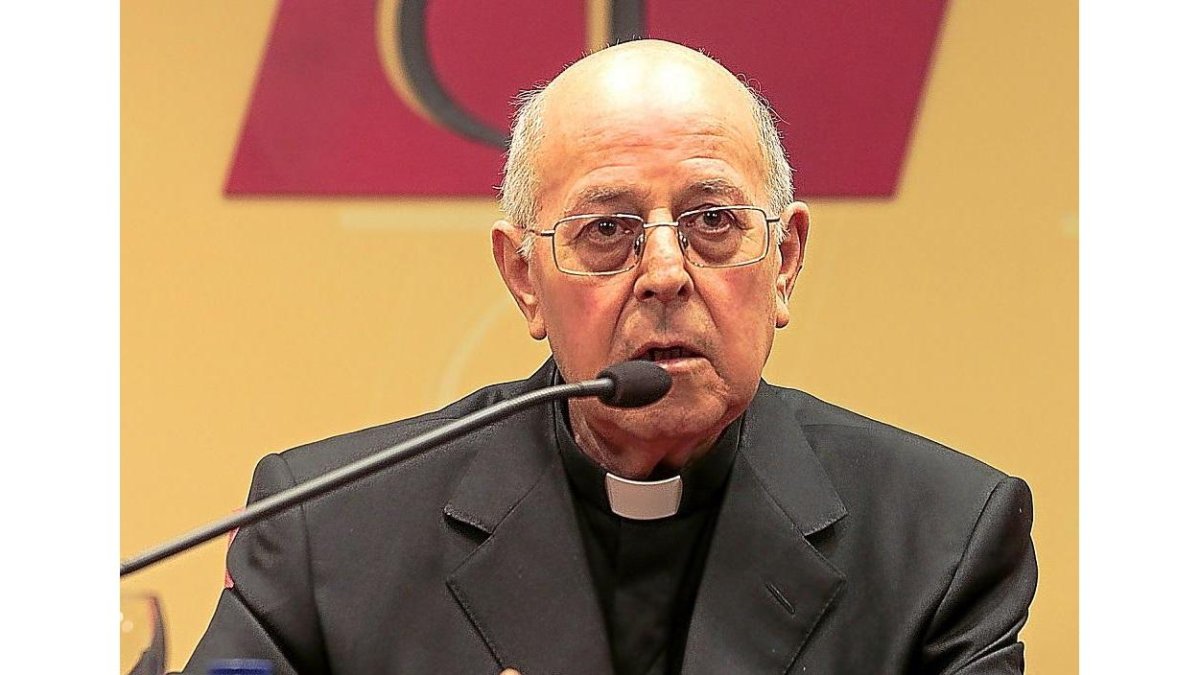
[
  {"x": 596, "y": 244},
  {"x": 725, "y": 236}
]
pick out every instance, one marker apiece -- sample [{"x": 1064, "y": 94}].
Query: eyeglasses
[{"x": 717, "y": 236}]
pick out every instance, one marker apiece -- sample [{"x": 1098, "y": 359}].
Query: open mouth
[{"x": 665, "y": 354}]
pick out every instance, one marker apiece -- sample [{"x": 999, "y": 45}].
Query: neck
[{"x": 629, "y": 456}]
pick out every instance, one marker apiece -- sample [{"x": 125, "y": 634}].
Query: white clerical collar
[
  {"x": 705, "y": 478},
  {"x": 643, "y": 500}
]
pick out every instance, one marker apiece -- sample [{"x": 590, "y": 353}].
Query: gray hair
[{"x": 518, "y": 191}]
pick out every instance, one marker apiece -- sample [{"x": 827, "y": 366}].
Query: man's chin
[{"x": 670, "y": 421}]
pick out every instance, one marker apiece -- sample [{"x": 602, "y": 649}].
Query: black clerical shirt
[{"x": 647, "y": 572}]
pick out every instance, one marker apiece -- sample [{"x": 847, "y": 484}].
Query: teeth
[{"x": 666, "y": 354}]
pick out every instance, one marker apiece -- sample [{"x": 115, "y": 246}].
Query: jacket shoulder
[
  {"x": 313, "y": 459},
  {"x": 841, "y": 436},
  {"x": 881, "y": 469}
]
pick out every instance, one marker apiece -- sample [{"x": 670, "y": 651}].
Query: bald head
[
  {"x": 649, "y": 75},
  {"x": 639, "y": 85}
]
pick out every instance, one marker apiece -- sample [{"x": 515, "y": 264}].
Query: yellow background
[{"x": 253, "y": 325}]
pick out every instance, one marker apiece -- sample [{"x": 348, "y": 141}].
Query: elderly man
[{"x": 732, "y": 527}]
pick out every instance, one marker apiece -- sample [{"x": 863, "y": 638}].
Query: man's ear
[
  {"x": 791, "y": 250},
  {"x": 515, "y": 270}
]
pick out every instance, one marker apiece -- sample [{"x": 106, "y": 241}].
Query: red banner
[{"x": 413, "y": 97}]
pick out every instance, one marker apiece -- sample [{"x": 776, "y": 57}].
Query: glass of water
[{"x": 143, "y": 639}]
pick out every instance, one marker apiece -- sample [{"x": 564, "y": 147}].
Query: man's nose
[{"x": 663, "y": 273}]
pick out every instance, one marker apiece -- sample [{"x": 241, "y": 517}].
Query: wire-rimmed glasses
[{"x": 606, "y": 244}]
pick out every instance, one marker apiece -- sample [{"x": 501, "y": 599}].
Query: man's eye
[
  {"x": 604, "y": 228},
  {"x": 716, "y": 219}
]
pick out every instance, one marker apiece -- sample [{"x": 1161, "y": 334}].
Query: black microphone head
[{"x": 635, "y": 384}]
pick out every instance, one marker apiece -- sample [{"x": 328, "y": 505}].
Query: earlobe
[
  {"x": 791, "y": 251},
  {"x": 515, "y": 270}
]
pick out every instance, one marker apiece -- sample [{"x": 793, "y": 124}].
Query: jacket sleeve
[
  {"x": 975, "y": 627},
  {"x": 269, "y": 612}
]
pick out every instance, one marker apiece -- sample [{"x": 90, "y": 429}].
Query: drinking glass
[{"x": 143, "y": 639}]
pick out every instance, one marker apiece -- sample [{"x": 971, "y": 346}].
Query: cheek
[
  {"x": 582, "y": 317},
  {"x": 743, "y": 311}
]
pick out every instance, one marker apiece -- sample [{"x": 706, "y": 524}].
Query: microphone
[
  {"x": 635, "y": 384},
  {"x": 630, "y": 384}
]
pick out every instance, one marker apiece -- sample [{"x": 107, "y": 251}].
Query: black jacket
[{"x": 843, "y": 546}]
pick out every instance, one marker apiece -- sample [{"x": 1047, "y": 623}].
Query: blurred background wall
[{"x": 253, "y": 324}]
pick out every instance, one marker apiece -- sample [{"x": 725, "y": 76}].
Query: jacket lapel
[
  {"x": 528, "y": 591},
  {"x": 527, "y": 588},
  {"x": 765, "y": 588}
]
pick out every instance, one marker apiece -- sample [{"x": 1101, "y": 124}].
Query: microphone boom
[{"x": 624, "y": 385}]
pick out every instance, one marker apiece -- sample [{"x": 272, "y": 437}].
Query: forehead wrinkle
[
  {"x": 647, "y": 128},
  {"x": 624, "y": 146}
]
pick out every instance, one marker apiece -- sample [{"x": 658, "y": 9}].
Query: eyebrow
[
  {"x": 607, "y": 195},
  {"x": 719, "y": 187},
  {"x": 630, "y": 195}
]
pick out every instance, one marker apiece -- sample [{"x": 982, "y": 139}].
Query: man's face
[{"x": 689, "y": 145}]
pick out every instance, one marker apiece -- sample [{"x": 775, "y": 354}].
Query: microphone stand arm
[{"x": 413, "y": 447}]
